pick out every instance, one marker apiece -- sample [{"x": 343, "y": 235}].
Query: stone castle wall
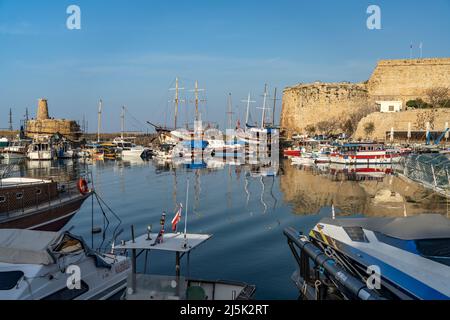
[
  {"x": 308, "y": 104},
  {"x": 408, "y": 79},
  {"x": 403, "y": 80}
]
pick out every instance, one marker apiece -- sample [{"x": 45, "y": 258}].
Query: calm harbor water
[{"x": 244, "y": 209}]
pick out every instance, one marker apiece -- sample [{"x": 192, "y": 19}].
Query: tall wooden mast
[{"x": 177, "y": 101}]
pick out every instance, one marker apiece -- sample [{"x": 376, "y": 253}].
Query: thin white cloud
[{"x": 22, "y": 28}]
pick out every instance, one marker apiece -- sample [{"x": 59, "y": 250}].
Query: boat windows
[
  {"x": 19, "y": 196},
  {"x": 435, "y": 249},
  {"x": 68, "y": 294},
  {"x": 69, "y": 245},
  {"x": 9, "y": 279},
  {"x": 38, "y": 191},
  {"x": 356, "y": 234}
]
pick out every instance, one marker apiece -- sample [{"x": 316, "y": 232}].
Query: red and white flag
[{"x": 176, "y": 219}]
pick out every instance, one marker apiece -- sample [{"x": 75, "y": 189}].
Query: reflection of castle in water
[{"x": 371, "y": 191}]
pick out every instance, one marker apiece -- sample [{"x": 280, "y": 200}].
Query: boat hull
[
  {"x": 40, "y": 155},
  {"x": 46, "y": 217}
]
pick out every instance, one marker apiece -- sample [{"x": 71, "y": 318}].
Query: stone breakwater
[{"x": 308, "y": 104}]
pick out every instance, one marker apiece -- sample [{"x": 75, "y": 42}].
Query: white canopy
[
  {"x": 26, "y": 246},
  {"x": 173, "y": 242}
]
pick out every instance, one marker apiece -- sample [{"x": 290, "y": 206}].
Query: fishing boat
[
  {"x": 108, "y": 151},
  {"x": 386, "y": 258},
  {"x": 41, "y": 149},
  {"x": 365, "y": 153},
  {"x": 64, "y": 150},
  {"x": 39, "y": 265},
  {"x": 37, "y": 204},
  {"x": 17, "y": 149}
]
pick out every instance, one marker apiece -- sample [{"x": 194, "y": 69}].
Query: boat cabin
[{"x": 361, "y": 147}]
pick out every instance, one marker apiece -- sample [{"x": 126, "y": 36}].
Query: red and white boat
[
  {"x": 292, "y": 152},
  {"x": 365, "y": 153}
]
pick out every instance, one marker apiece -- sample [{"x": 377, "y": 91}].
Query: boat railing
[{"x": 43, "y": 195}]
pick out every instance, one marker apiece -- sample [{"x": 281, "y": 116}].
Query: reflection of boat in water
[
  {"x": 303, "y": 160},
  {"x": 374, "y": 171},
  {"x": 37, "y": 204},
  {"x": 410, "y": 257},
  {"x": 37, "y": 265}
]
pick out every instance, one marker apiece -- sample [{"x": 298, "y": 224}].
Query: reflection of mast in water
[
  {"x": 197, "y": 189},
  {"x": 262, "y": 194},
  {"x": 229, "y": 188},
  {"x": 246, "y": 190},
  {"x": 174, "y": 192},
  {"x": 275, "y": 201}
]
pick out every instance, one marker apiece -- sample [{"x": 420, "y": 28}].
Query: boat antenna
[{"x": 186, "y": 215}]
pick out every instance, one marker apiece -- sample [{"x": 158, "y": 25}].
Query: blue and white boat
[{"x": 410, "y": 256}]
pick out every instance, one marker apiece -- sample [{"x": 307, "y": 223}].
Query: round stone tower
[{"x": 42, "y": 113}]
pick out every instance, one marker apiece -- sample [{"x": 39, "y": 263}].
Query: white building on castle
[{"x": 390, "y": 106}]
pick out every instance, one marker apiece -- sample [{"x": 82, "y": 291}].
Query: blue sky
[{"x": 129, "y": 52}]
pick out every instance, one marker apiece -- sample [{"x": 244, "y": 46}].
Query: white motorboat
[
  {"x": 128, "y": 149},
  {"x": 38, "y": 265},
  {"x": 16, "y": 150}
]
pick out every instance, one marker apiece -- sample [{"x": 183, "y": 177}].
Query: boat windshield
[
  {"x": 9, "y": 279},
  {"x": 435, "y": 249}
]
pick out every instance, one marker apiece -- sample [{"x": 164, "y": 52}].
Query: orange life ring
[{"x": 83, "y": 186}]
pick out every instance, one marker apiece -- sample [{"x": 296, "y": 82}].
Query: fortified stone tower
[
  {"x": 42, "y": 113},
  {"x": 43, "y": 125}
]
